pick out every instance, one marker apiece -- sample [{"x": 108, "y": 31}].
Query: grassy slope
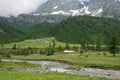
[
  {"x": 95, "y": 60},
  {"x": 32, "y": 44},
  {"x": 43, "y": 76}
]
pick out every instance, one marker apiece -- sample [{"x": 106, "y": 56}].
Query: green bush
[
  {"x": 99, "y": 54},
  {"x": 7, "y": 56},
  {"x": 104, "y": 54},
  {"x": 0, "y": 58}
]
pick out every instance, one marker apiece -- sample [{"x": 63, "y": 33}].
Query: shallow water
[{"x": 52, "y": 66}]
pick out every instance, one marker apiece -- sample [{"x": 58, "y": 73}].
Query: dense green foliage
[
  {"x": 113, "y": 46},
  {"x": 10, "y": 33},
  {"x": 38, "y": 30},
  {"x": 78, "y": 29},
  {"x": 86, "y": 29}
]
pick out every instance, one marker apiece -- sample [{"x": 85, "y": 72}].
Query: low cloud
[{"x": 16, "y": 7}]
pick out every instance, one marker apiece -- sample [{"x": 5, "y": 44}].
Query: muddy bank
[
  {"x": 53, "y": 60},
  {"x": 107, "y": 73},
  {"x": 37, "y": 69}
]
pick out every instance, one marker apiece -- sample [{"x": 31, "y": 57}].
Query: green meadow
[
  {"x": 43, "y": 76},
  {"x": 37, "y": 43}
]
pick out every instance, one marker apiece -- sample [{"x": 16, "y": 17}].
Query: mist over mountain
[{"x": 17, "y": 7}]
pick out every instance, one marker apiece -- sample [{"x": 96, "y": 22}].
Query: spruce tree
[
  {"x": 113, "y": 46},
  {"x": 53, "y": 43},
  {"x": 98, "y": 45},
  {"x": 14, "y": 46},
  {"x": 67, "y": 46}
]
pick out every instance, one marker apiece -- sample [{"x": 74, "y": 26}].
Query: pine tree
[
  {"x": 83, "y": 46},
  {"x": 14, "y": 46},
  {"x": 113, "y": 46},
  {"x": 0, "y": 58},
  {"x": 50, "y": 50},
  {"x": 98, "y": 45},
  {"x": 53, "y": 43},
  {"x": 67, "y": 46}
]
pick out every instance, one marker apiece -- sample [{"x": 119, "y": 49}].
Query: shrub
[
  {"x": 104, "y": 54},
  {"x": 99, "y": 54},
  {"x": 42, "y": 51},
  {"x": 86, "y": 55},
  {"x": 14, "y": 46},
  {"x": 0, "y": 58},
  {"x": 7, "y": 56},
  {"x": 81, "y": 51}
]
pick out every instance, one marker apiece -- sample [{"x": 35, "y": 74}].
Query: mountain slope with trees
[
  {"x": 78, "y": 29},
  {"x": 81, "y": 29},
  {"x": 10, "y": 33}
]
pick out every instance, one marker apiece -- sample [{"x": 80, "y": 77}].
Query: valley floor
[{"x": 90, "y": 59}]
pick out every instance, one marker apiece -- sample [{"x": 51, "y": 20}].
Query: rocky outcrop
[
  {"x": 24, "y": 20},
  {"x": 109, "y": 7},
  {"x": 1, "y": 31}
]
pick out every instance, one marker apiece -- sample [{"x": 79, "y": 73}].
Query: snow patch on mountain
[
  {"x": 87, "y": 11},
  {"x": 81, "y": 11},
  {"x": 60, "y": 12},
  {"x": 97, "y": 12},
  {"x": 74, "y": 12},
  {"x": 36, "y": 14},
  {"x": 55, "y": 7},
  {"x": 45, "y": 14}
]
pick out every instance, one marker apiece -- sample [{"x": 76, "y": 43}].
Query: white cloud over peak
[{"x": 16, "y": 7}]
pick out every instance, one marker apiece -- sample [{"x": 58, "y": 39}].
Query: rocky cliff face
[
  {"x": 24, "y": 20},
  {"x": 80, "y": 7},
  {"x": 65, "y": 7},
  {"x": 108, "y": 7},
  {"x": 59, "y": 5}
]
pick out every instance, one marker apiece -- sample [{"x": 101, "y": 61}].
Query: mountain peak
[
  {"x": 80, "y": 7},
  {"x": 60, "y": 6}
]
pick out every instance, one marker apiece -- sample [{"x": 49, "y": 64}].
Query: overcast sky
[{"x": 16, "y": 7}]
